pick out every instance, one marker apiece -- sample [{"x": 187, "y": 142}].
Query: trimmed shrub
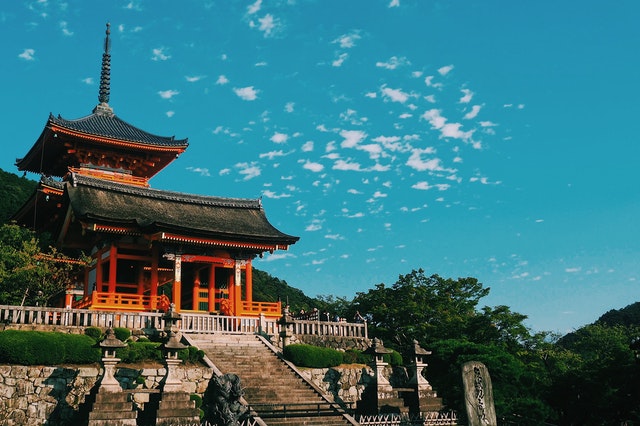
[
  {"x": 122, "y": 333},
  {"x": 312, "y": 356},
  {"x": 190, "y": 354},
  {"x": 355, "y": 356},
  {"x": 140, "y": 351},
  {"x": 94, "y": 332},
  {"x": 46, "y": 348},
  {"x": 394, "y": 358}
]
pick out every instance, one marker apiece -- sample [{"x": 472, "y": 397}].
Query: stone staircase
[{"x": 271, "y": 387}]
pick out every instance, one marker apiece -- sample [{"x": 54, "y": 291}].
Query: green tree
[
  {"x": 600, "y": 385},
  {"x": 420, "y": 307},
  {"x": 28, "y": 274}
]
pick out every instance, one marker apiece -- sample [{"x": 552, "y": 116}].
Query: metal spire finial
[{"x": 105, "y": 76}]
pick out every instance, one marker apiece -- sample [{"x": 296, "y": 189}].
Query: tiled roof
[
  {"x": 152, "y": 210},
  {"x": 110, "y": 126}
]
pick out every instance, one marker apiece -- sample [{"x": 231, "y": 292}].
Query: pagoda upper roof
[
  {"x": 117, "y": 207},
  {"x": 114, "y": 129},
  {"x": 99, "y": 137}
]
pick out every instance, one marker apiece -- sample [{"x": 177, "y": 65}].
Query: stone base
[
  {"x": 112, "y": 409},
  {"x": 176, "y": 408}
]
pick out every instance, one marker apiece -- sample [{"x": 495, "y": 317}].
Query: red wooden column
[
  {"x": 236, "y": 289},
  {"x": 248, "y": 275},
  {"x": 153, "y": 288},
  {"x": 212, "y": 288},
  {"x": 113, "y": 269},
  {"x": 195, "y": 299},
  {"x": 177, "y": 282}
]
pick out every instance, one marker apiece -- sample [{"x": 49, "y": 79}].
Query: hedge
[
  {"x": 46, "y": 348},
  {"x": 312, "y": 356}
]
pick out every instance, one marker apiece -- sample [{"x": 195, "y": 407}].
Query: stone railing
[
  {"x": 190, "y": 322},
  {"x": 329, "y": 328}
]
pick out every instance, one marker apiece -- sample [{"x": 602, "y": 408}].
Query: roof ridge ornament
[{"x": 103, "y": 107}]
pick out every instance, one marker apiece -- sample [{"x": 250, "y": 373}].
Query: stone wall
[
  {"x": 345, "y": 383},
  {"x": 335, "y": 342},
  {"x": 36, "y": 395}
]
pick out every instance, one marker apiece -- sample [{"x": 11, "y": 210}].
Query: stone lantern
[
  {"x": 418, "y": 364},
  {"x": 170, "y": 349},
  {"x": 109, "y": 346},
  {"x": 285, "y": 322},
  {"x": 378, "y": 351}
]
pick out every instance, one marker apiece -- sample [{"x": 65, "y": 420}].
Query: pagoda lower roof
[
  {"x": 101, "y": 204},
  {"x": 112, "y": 127}
]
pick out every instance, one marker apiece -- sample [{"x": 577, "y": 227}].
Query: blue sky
[{"x": 490, "y": 139}]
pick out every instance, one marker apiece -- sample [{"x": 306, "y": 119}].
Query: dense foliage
[
  {"x": 14, "y": 191},
  {"x": 46, "y": 348},
  {"x": 30, "y": 272},
  {"x": 588, "y": 377}
]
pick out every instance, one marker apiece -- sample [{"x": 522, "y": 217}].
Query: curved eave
[
  {"x": 175, "y": 238},
  {"x": 168, "y": 237},
  {"x": 131, "y": 145}
]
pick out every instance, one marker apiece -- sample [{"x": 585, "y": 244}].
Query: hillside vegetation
[
  {"x": 14, "y": 191},
  {"x": 588, "y": 377}
]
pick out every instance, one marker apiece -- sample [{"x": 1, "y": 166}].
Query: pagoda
[{"x": 149, "y": 248}]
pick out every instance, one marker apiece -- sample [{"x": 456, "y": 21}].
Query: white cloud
[
  {"x": 271, "y": 194},
  {"x": 416, "y": 161},
  {"x": 27, "y": 55},
  {"x": 371, "y": 95},
  {"x": 202, "y": 171},
  {"x": 340, "y": 60},
  {"x": 194, "y": 78},
  {"x": 272, "y": 154},
  {"x": 314, "y": 167},
  {"x": 168, "y": 94},
  {"x": 279, "y": 137},
  {"x": 473, "y": 113},
  {"x": 249, "y": 170},
  {"x": 573, "y": 270},
  {"x": 373, "y": 149},
  {"x": 64, "y": 26},
  {"x": 445, "y": 70},
  {"x": 347, "y": 41},
  {"x": 433, "y": 116},
  {"x": 246, "y": 93},
  {"x": 222, "y": 80},
  {"x": 268, "y": 24},
  {"x": 159, "y": 54},
  {"x": 395, "y": 95},
  {"x": 487, "y": 124},
  {"x": 394, "y": 3},
  {"x": 468, "y": 95},
  {"x": 315, "y": 225},
  {"x": 88, "y": 80},
  {"x": 254, "y": 7},
  {"x": 393, "y": 63},
  {"x": 352, "y": 138},
  {"x": 288, "y": 107},
  {"x": 170, "y": 113},
  {"x": 224, "y": 172},
  {"x": 307, "y": 146},
  {"x": 278, "y": 256},
  {"x": 334, "y": 237},
  {"x": 346, "y": 166}
]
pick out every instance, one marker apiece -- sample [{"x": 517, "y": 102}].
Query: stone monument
[{"x": 478, "y": 394}]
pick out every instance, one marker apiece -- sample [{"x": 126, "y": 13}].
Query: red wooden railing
[{"x": 105, "y": 301}]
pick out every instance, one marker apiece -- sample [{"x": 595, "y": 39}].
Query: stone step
[
  {"x": 112, "y": 415},
  {"x": 268, "y": 380}
]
